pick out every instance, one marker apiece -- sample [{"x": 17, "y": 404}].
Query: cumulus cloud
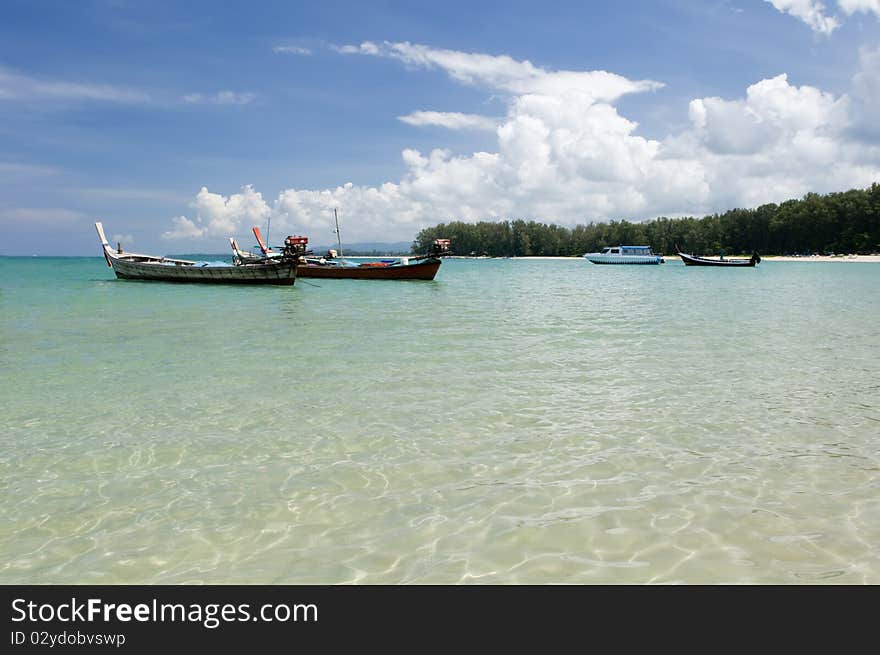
[
  {"x": 772, "y": 111},
  {"x": 452, "y": 120},
  {"x": 565, "y": 154},
  {"x": 779, "y": 141},
  {"x": 220, "y": 215},
  {"x": 184, "y": 228}
]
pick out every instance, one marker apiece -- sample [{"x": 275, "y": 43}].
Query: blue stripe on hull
[{"x": 643, "y": 262}]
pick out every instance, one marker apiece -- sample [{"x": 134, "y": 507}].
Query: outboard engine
[{"x": 440, "y": 247}]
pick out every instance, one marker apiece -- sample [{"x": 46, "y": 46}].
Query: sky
[{"x": 179, "y": 125}]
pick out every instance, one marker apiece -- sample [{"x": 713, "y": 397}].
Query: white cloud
[
  {"x": 291, "y": 50},
  {"x": 505, "y": 73},
  {"x": 812, "y": 12},
  {"x": 778, "y": 142},
  {"x": 850, "y": 7},
  {"x": 218, "y": 215},
  {"x": 565, "y": 154},
  {"x": 184, "y": 229},
  {"x": 220, "y": 98},
  {"x": 452, "y": 120},
  {"x": 19, "y": 87},
  {"x": 366, "y": 48},
  {"x": 772, "y": 111}
]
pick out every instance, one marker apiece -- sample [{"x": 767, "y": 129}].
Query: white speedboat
[{"x": 625, "y": 255}]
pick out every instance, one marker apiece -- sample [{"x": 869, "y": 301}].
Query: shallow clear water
[{"x": 513, "y": 421}]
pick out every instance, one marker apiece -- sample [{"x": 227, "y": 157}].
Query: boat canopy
[{"x": 628, "y": 250}]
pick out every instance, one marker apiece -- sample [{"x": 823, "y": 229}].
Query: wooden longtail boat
[
  {"x": 423, "y": 267},
  {"x": 133, "y": 266},
  {"x": 691, "y": 260},
  {"x": 420, "y": 268}
]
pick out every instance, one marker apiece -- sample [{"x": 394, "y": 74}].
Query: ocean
[{"x": 514, "y": 421}]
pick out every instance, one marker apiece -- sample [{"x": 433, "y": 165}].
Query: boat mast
[{"x": 338, "y": 237}]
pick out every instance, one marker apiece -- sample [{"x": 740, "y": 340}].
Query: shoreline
[
  {"x": 768, "y": 258},
  {"x": 875, "y": 259},
  {"x": 822, "y": 258}
]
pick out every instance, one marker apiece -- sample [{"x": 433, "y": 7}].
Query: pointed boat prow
[
  {"x": 105, "y": 245},
  {"x": 238, "y": 255},
  {"x": 135, "y": 266}
]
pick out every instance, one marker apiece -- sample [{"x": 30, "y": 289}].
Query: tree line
[{"x": 844, "y": 222}]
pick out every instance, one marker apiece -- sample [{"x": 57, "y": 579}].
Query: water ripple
[{"x": 512, "y": 422}]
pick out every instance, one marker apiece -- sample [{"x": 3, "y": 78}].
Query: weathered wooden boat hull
[
  {"x": 425, "y": 270},
  {"x": 281, "y": 273},
  {"x": 132, "y": 266}
]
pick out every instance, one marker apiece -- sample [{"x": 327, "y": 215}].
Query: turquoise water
[{"x": 513, "y": 421}]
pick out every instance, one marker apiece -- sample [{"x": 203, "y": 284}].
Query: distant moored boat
[
  {"x": 692, "y": 260},
  {"x": 625, "y": 255}
]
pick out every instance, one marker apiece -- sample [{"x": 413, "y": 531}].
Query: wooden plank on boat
[{"x": 131, "y": 266}]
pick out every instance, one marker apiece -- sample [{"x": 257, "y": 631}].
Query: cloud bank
[{"x": 565, "y": 154}]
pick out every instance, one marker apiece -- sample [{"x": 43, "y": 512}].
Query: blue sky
[{"x": 181, "y": 124}]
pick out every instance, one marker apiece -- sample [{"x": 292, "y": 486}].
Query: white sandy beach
[
  {"x": 767, "y": 258},
  {"x": 823, "y": 258}
]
